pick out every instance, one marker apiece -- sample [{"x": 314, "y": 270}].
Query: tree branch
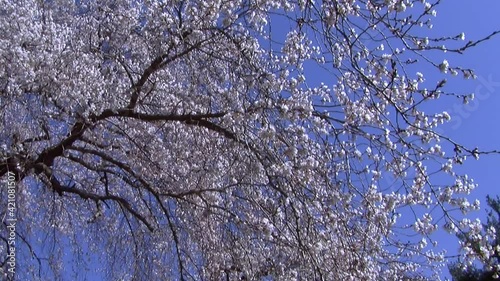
[
  {"x": 191, "y": 119},
  {"x": 60, "y": 189}
]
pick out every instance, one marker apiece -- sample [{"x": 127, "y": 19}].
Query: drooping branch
[
  {"x": 61, "y": 189},
  {"x": 48, "y": 155}
]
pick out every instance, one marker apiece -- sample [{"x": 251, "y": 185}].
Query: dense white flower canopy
[{"x": 229, "y": 140}]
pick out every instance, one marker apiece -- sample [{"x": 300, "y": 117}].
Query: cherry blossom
[{"x": 230, "y": 140}]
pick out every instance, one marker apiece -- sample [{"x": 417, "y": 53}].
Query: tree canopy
[{"x": 225, "y": 140}]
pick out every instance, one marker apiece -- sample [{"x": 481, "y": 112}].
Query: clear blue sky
[{"x": 478, "y": 123}]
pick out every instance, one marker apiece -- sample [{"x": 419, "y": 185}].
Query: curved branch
[
  {"x": 60, "y": 189},
  {"x": 190, "y": 119}
]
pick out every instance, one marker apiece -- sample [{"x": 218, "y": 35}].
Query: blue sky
[{"x": 478, "y": 123}]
